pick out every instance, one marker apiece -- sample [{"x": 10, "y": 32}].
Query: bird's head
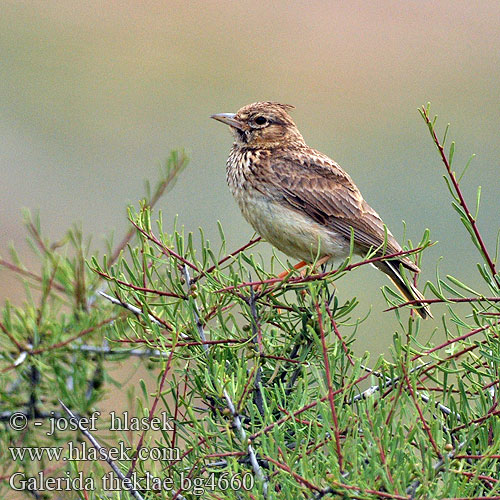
[{"x": 262, "y": 125}]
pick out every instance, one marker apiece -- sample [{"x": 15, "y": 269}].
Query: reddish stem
[
  {"x": 29, "y": 274},
  {"x": 313, "y": 277},
  {"x": 151, "y": 412},
  {"x": 452, "y": 341},
  {"x": 140, "y": 288},
  {"x": 330, "y": 387},
  {"x": 297, "y": 477},
  {"x": 422, "y": 418},
  {"x": 460, "y": 196}
]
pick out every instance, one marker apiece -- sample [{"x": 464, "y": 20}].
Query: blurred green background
[{"x": 95, "y": 94}]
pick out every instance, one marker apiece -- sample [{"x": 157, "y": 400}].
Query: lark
[{"x": 300, "y": 200}]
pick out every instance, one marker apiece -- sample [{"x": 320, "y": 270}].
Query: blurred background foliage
[{"x": 94, "y": 95}]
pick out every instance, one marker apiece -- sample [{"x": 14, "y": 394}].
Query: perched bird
[{"x": 299, "y": 199}]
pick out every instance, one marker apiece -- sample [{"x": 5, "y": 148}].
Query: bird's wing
[{"x": 311, "y": 182}]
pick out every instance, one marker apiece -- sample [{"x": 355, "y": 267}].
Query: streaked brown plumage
[{"x": 296, "y": 197}]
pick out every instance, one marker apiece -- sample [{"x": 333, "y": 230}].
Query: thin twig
[
  {"x": 151, "y": 413},
  {"x": 96, "y": 445},
  {"x": 176, "y": 169},
  {"x": 108, "y": 351},
  {"x": 243, "y": 437},
  {"x": 425, "y": 425},
  {"x": 82, "y": 333},
  {"x": 161, "y": 293},
  {"x": 460, "y": 196},
  {"x": 164, "y": 249},
  {"x": 12, "y": 338},
  {"x": 227, "y": 257},
  {"x": 199, "y": 326},
  {"x": 328, "y": 375},
  {"x": 29, "y": 274},
  {"x": 456, "y": 339},
  {"x": 257, "y": 339},
  {"x": 132, "y": 309},
  {"x": 236, "y": 418},
  {"x": 296, "y": 280},
  {"x": 411, "y": 490},
  {"x": 387, "y": 383}
]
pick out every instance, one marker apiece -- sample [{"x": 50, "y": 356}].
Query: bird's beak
[{"x": 228, "y": 119}]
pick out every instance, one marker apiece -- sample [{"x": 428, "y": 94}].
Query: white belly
[{"x": 296, "y": 235}]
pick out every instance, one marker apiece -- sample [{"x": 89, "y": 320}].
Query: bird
[{"x": 300, "y": 200}]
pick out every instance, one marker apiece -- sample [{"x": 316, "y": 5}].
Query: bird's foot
[{"x": 303, "y": 266}]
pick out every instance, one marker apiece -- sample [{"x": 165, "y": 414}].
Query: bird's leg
[
  {"x": 297, "y": 266},
  {"x": 281, "y": 275},
  {"x": 303, "y": 264},
  {"x": 322, "y": 261},
  {"x": 315, "y": 266}
]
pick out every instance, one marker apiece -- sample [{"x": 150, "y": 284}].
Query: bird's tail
[{"x": 391, "y": 268}]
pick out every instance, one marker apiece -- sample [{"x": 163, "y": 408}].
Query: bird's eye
[{"x": 260, "y": 120}]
